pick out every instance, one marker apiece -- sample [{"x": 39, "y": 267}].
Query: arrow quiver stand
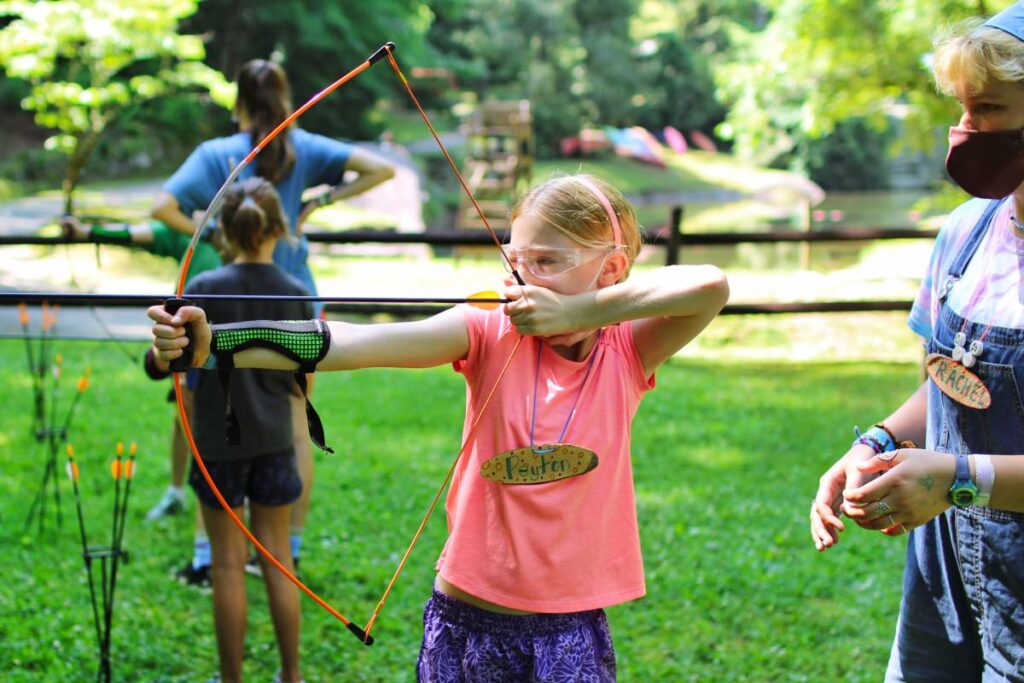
[
  {"x": 49, "y": 431},
  {"x": 105, "y": 558}
]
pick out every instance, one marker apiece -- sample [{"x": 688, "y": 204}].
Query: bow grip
[{"x": 183, "y": 362}]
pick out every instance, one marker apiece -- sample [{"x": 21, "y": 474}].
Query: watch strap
[{"x": 964, "y": 491}]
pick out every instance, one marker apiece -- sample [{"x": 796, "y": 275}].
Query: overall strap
[{"x": 959, "y": 265}]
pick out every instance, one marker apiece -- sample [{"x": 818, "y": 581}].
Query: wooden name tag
[
  {"x": 957, "y": 382},
  {"x": 550, "y": 462}
]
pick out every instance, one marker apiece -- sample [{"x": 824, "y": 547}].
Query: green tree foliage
[
  {"x": 820, "y": 62},
  {"x": 680, "y": 42},
  {"x": 619, "y": 63},
  {"x": 88, "y": 61},
  {"x": 317, "y": 42}
]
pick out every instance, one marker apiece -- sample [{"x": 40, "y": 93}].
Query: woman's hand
[
  {"x": 912, "y": 489},
  {"x": 845, "y": 473},
  {"x": 169, "y": 333}
]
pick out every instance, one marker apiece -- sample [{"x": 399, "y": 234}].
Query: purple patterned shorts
[{"x": 465, "y": 644}]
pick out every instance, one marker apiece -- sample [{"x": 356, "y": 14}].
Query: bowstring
[{"x": 508, "y": 362}]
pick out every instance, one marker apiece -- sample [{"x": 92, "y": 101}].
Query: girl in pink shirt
[{"x": 541, "y": 512}]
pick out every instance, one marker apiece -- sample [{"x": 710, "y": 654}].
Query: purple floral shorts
[{"x": 465, "y": 644}]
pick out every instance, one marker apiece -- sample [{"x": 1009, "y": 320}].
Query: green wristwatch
[{"x": 963, "y": 491}]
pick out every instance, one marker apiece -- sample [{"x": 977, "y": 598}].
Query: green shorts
[{"x": 169, "y": 242}]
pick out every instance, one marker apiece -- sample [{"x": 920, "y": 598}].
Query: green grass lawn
[{"x": 727, "y": 456}]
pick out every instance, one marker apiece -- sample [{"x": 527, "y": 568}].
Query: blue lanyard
[{"x": 572, "y": 411}]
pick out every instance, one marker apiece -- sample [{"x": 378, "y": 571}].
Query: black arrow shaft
[{"x": 150, "y": 299}]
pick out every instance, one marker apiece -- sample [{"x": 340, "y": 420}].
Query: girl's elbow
[
  {"x": 720, "y": 285},
  {"x": 714, "y": 287}
]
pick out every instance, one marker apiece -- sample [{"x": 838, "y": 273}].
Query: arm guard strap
[{"x": 304, "y": 341}]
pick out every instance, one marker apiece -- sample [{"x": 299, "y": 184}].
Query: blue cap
[{"x": 1010, "y": 20}]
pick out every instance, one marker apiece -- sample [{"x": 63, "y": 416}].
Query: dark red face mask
[{"x": 986, "y": 164}]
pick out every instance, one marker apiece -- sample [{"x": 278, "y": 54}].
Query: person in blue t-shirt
[{"x": 294, "y": 162}]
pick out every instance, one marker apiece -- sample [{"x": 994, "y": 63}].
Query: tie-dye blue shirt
[{"x": 992, "y": 279}]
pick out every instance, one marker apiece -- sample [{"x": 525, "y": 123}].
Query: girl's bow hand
[
  {"x": 169, "y": 333},
  {"x": 912, "y": 489}
]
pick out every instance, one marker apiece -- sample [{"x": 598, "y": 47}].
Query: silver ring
[
  {"x": 892, "y": 522},
  {"x": 883, "y": 507}
]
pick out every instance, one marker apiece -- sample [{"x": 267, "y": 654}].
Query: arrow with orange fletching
[
  {"x": 72, "y": 470},
  {"x": 488, "y": 299}
]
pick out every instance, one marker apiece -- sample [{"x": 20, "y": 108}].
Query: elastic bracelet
[
  {"x": 877, "y": 439},
  {"x": 210, "y": 363},
  {"x": 892, "y": 437},
  {"x": 984, "y": 478}
]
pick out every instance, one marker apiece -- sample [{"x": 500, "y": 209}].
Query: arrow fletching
[
  {"x": 115, "y": 469},
  {"x": 120, "y": 449},
  {"x": 129, "y": 469},
  {"x": 72, "y": 467},
  {"x": 490, "y": 300},
  {"x": 133, "y": 449},
  {"x": 23, "y": 314}
]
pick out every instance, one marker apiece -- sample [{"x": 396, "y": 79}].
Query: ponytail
[
  {"x": 252, "y": 214},
  {"x": 265, "y": 96}
]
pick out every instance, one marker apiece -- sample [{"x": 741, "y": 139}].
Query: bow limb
[
  {"x": 186, "y": 261},
  {"x": 364, "y": 637}
]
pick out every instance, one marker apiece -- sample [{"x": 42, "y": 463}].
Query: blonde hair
[
  {"x": 973, "y": 54},
  {"x": 570, "y": 207}
]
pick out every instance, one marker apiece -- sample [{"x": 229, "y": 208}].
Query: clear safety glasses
[{"x": 547, "y": 262}]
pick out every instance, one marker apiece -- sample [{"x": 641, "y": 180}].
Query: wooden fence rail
[{"x": 671, "y": 237}]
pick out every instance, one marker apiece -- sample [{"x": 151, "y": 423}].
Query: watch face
[{"x": 963, "y": 495}]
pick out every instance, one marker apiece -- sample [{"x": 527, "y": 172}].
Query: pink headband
[{"x": 612, "y": 217}]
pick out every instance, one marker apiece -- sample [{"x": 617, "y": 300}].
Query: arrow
[{"x": 488, "y": 299}]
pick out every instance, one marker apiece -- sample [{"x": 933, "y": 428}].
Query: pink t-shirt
[{"x": 561, "y": 546}]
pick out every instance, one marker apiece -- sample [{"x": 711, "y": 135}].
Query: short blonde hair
[
  {"x": 972, "y": 54},
  {"x": 570, "y": 207}
]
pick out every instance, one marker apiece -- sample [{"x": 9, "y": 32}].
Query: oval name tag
[
  {"x": 957, "y": 382},
  {"x": 539, "y": 465}
]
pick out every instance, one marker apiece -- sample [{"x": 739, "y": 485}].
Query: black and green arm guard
[{"x": 304, "y": 341}]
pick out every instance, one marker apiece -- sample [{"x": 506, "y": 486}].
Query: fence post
[{"x": 675, "y": 231}]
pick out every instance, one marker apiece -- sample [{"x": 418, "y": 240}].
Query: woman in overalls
[{"x": 961, "y": 497}]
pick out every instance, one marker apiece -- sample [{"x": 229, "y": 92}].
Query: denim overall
[{"x": 962, "y": 614}]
